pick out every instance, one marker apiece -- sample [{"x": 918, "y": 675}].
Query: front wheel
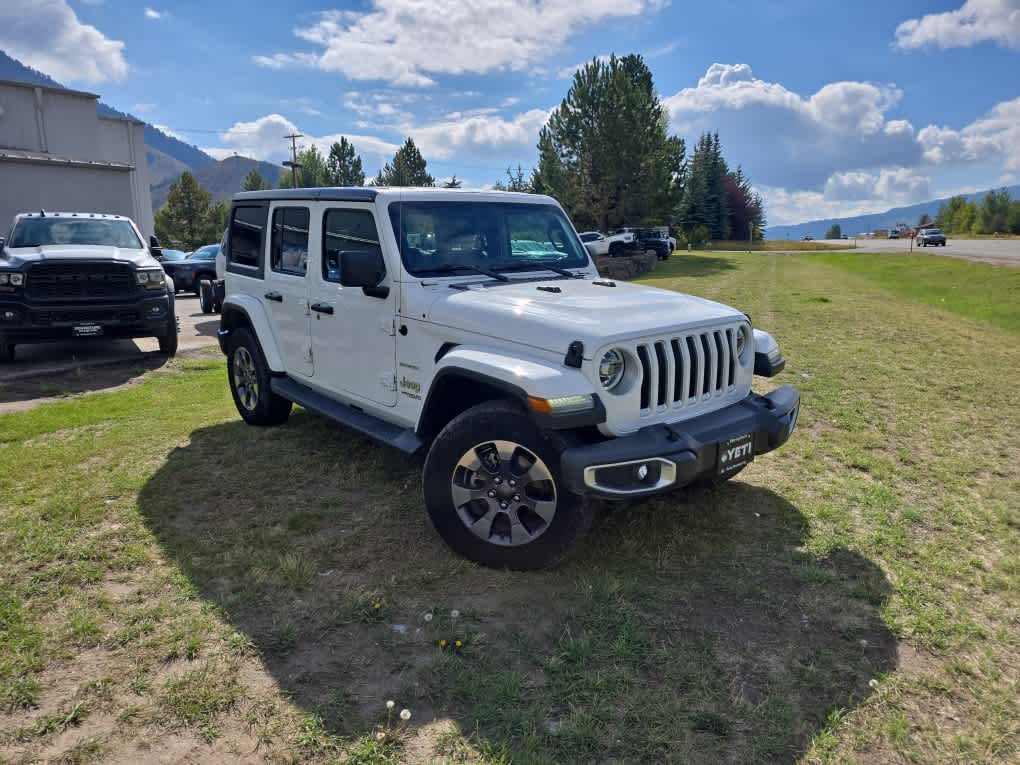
[
  {"x": 249, "y": 377},
  {"x": 205, "y": 299},
  {"x": 494, "y": 491},
  {"x": 615, "y": 250},
  {"x": 168, "y": 340}
]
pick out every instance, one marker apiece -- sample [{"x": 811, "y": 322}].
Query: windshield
[
  {"x": 36, "y": 232},
  {"x": 208, "y": 252},
  {"x": 174, "y": 255},
  {"x": 935, "y": 231},
  {"x": 440, "y": 237}
]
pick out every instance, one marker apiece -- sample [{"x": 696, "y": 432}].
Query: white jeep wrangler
[{"x": 474, "y": 327}]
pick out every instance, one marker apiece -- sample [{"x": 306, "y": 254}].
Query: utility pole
[{"x": 293, "y": 164}]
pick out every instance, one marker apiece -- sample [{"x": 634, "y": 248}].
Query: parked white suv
[
  {"x": 613, "y": 245},
  {"x": 473, "y": 327}
]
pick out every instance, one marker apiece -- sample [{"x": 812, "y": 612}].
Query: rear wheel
[
  {"x": 616, "y": 250},
  {"x": 494, "y": 491},
  {"x": 249, "y": 378},
  {"x": 6, "y": 353},
  {"x": 205, "y": 299}
]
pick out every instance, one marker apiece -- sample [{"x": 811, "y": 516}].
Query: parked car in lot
[
  {"x": 167, "y": 255},
  {"x": 894, "y": 235},
  {"x": 614, "y": 245},
  {"x": 529, "y": 382},
  {"x": 931, "y": 236},
  {"x": 807, "y": 238},
  {"x": 81, "y": 275},
  {"x": 652, "y": 239},
  {"x": 199, "y": 265}
]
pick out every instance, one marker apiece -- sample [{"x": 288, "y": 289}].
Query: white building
[{"x": 57, "y": 154}]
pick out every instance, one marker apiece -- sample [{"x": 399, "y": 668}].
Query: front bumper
[
  {"x": 39, "y": 322},
  {"x": 675, "y": 455}
]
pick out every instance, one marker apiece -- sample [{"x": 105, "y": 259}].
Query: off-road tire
[
  {"x": 246, "y": 365},
  {"x": 616, "y": 249},
  {"x": 205, "y": 299},
  {"x": 168, "y": 340},
  {"x": 504, "y": 421},
  {"x": 6, "y": 353}
]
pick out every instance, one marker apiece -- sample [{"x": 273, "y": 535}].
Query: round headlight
[
  {"x": 611, "y": 368},
  {"x": 743, "y": 342}
]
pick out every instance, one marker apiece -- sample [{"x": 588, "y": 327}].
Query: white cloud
[
  {"x": 264, "y": 139},
  {"x": 154, "y": 15},
  {"x": 169, "y": 132},
  {"x": 141, "y": 108},
  {"x": 407, "y": 43},
  {"x": 479, "y": 135},
  {"x": 841, "y": 127},
  {"x": 974, "y": 22},
  {"x": 995, "y": 136},
  {"x": 47, "y": 35}
]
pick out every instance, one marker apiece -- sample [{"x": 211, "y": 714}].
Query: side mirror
[
  {"x": 155, "y": 249},
  {"x": 365, "y": 269}
]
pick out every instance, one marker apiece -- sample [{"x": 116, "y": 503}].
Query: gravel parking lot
[
  {"x": 197, "y": 330},
  {"x": 999, "y": 252}
]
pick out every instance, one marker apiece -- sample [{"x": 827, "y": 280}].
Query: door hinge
[{"x": 389, "y": 382}]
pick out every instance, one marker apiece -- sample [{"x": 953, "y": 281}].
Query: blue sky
[{"x": 831, "y": 108}]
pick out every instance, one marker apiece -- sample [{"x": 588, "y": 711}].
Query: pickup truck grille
[
  {"x": 70, "y": 281},
  {"x": 687, "y": 369}
]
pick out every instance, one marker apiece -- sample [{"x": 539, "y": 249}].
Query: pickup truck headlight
[
  {"x": 744, "y": 343},
  {"x": 15, "y": 280},
  {"x": 612, "y": 365},
  {"x": 152, "y": 279}
]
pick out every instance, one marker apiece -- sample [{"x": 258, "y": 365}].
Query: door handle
[
  {"x": 276, "y": 297},
  {"x": 322, "y": 308}
]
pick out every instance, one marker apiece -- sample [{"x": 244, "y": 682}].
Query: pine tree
[
  {"x": 185, "y": 218},
  {"x": 605, "y": 152},
  {"x": 453, "y": 183},
  {"x": 254, "y": 181},
  {"x": 408, "y": 168},
  {"x": 343, "y": 166}
]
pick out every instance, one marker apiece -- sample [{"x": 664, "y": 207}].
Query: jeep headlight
[
  {"x": 612, "y": 365},
  {"x": 744, "y": 343}
]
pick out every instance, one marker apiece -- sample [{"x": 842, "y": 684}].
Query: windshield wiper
[
  {"x": 452, "y": 268},
  {"x": 542, "y": 264}
]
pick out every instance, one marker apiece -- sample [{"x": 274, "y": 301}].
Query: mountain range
[
  {"x": 860, "y": 224},
  {"x": 167, "y": 157}
]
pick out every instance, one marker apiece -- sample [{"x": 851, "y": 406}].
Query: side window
[
  {"x": 288, "y": 249},
  {"x": 343, "y": 231},
  {"x": 247, "y": 225}
]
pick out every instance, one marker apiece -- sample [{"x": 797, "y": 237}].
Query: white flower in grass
[
  {"x": 428, "y": 617},
  {"x": 390, "y": 704},
  {"x": 380, "y": 736},
  {"x": 405, "y": 714},
  {"x": 454, "y": 614}
]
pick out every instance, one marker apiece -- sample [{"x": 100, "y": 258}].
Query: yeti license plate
[{"x": 734, "y": 453}]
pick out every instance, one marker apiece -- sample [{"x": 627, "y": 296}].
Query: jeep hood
[
  {"x": 522, "y": 312},
  {"x": 19, "y": 256}
]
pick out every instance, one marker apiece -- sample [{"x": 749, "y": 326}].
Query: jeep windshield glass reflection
[
  {"x": 446, "y": 237},
  {"x": 38, "y": 232}
]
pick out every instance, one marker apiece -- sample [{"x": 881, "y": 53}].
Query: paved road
[
  {"x": 1000, "y": 252},
  {"x": 198, "y": 330}
]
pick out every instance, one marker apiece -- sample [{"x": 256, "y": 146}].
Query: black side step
[{"x": 367, "y": 424}]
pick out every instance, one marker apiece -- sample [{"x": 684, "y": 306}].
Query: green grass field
[{"x": 176, "y": 584}]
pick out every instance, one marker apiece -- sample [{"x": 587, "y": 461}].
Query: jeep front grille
[
  {"x": 70, "y": 281},
  {"x": 687, "y": 369}
]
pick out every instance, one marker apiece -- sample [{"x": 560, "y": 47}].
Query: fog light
[
  {"x": 155, "y": 310},
  {"x": 642, "y": 472},
  {"x": 9, "y": 316}
]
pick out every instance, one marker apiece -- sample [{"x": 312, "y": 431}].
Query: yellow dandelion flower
[
  {"x": 442, "y": 644},
  {"x": 458, "y": 644},
  {"x": 377, "y": 605}
]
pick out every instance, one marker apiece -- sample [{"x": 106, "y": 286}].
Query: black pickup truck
[{"x": 81, "y": 275}]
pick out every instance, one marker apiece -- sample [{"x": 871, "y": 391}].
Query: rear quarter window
[{"x": 246, "y": 239}]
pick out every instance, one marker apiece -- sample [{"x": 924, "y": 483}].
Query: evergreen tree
[
  {"x": 185, "y": 218},
  {"x": 924, "y": 220},
  {"x": 254, "y": 181},
  {"x": 343, "y": 166},
  {"x": 835, "y": 231},
  {"x": 453, "y": 183},
  {"x": 992, "y": 213},
  {"x": 605, "y": 153},
  {"x": 408, "y": 168}
]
